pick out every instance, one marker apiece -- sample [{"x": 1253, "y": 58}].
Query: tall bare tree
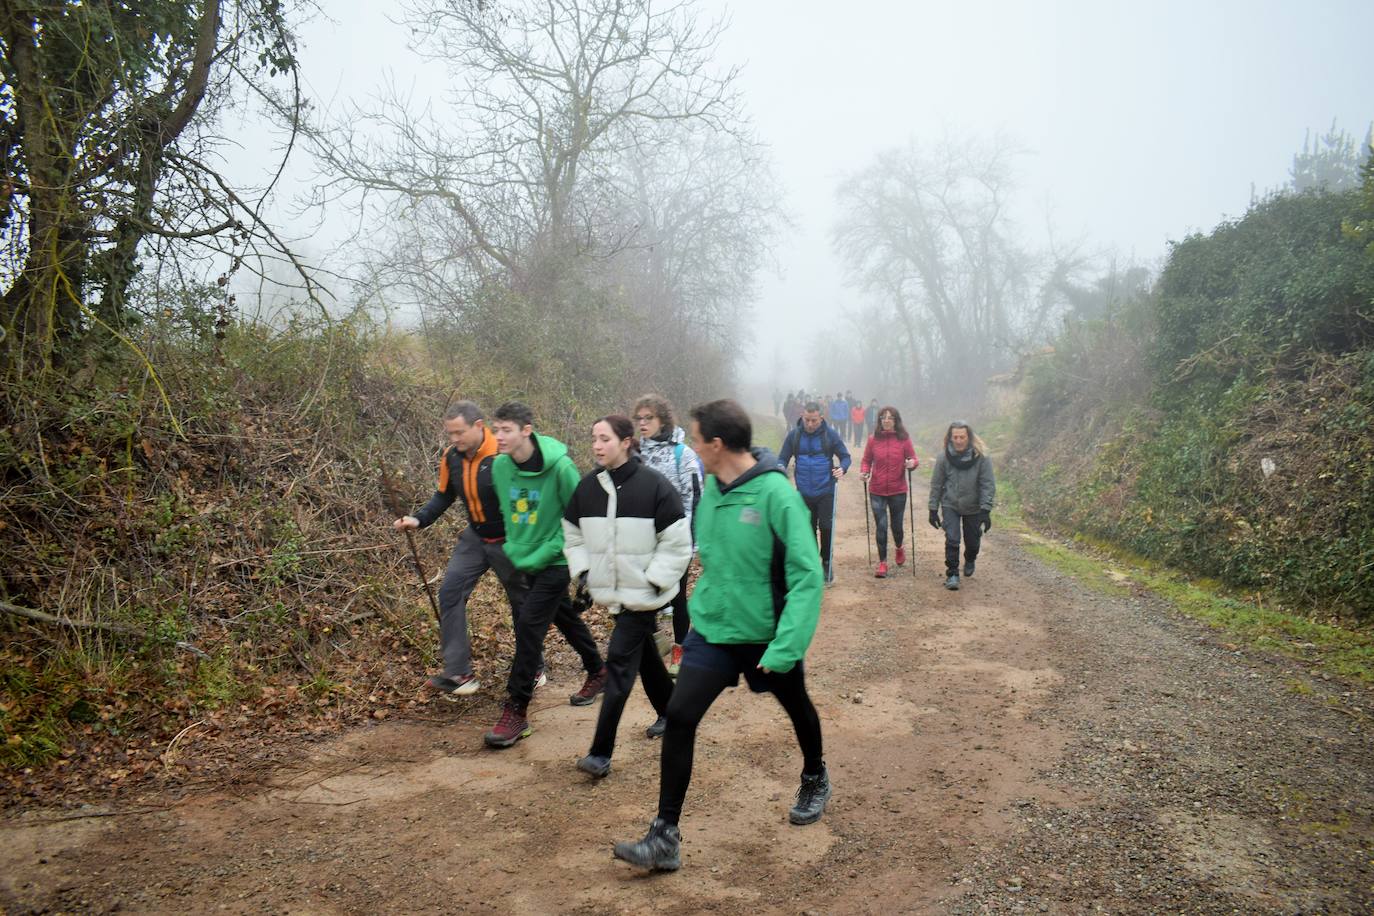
[
  {"x": 546, "y": 95},
  {"x": 929, "y": 232}
]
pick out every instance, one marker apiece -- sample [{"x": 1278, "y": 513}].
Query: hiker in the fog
[
  {"x": 754, "y": 612},
  {"x": 871, "y": 416},
  {"x": 626, "y": 537},
  {"x": 534, "y": 478},
  {"x": 962, "y": 486},
  {"x": 792, "y": 410},
  {"x": 465, "y": 473},
  {"x": 888, "y": 457},
  {"x": 856, "y": 421},
  {"x": 663, "y": 446},
  {"x": 839, "y": 415},
  {"x": 815, "y": 446}
]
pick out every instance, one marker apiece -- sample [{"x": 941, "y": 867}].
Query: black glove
[
  {"x": 935, "y": 518},
  {"x": 985, "y": 519},
  {"x": 582, "y": 597}
]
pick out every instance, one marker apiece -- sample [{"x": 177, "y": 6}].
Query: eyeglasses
[{"x": 641, "y": 419}]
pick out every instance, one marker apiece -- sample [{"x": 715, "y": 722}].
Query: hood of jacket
[{"x": 765, "y": 462}]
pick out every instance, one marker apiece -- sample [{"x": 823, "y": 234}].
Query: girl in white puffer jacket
[{"x": 626, "y": 537}]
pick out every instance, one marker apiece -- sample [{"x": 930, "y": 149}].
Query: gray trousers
[{"x": 471, "y": 558}]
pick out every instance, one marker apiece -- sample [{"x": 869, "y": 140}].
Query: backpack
[
  {"x": 678, "y": 449},
  {"x": 827, "y": 442}
]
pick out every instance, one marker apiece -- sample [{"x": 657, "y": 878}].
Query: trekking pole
[
  {"x": 911, "y": 532},
  {"x": 834, "y": 502},
  {"x": 389, "y": 492},
  {"x": 868, "y": 535}
]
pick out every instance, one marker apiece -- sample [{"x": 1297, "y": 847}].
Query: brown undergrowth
[{"x": 224, "y": 574}]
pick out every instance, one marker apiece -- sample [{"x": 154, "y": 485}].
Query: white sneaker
[{"x": 540, "y": 679}]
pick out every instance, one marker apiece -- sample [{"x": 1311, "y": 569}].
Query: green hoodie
[
  {"x": 760, "y": 569},
  {"x": 533, "y": 503}
]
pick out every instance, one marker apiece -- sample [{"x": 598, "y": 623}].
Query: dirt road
[{"x": 1019, "y": 746}]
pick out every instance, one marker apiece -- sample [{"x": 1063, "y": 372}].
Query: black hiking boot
[
  {"x": 658, "y": 728},
  {"x": 968, "y": 569},
  {"x": 952, "y": 583},
  {"x": 660, "y": 850},
  {"x": 595, "y": 765},
  {"x": 812, "y": 798}
]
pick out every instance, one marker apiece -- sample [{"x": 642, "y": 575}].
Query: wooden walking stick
[{"x": 389, "y": 493}]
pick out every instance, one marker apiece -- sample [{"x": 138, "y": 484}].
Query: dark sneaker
[
  {"x": 952, "y": 583},
  {"x": 658, "y": 728},
  {"x": 660, "y": 850},
  {"x": 968, "y": 570},
  {"x": 450, "y": 688},
  {"x": 594, "y": 684},
  {"x": 594, "y": 765},
  {"x": 510, "y": 728},
  {"x": 811, "y": 799}
]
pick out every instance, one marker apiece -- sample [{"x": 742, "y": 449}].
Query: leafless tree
[
  {"x": 547, "y": 95},
  {"x": 928, "y": 231}
]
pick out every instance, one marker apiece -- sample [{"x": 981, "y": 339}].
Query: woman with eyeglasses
[
  {"x": 624, "y": 530},
  {"x": 887, "y": 457},
  {"x": 962, "y": 485},
  {"x": 663, "y": 447}
]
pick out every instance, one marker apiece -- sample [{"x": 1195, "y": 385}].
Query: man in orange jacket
[{"x": 465, "y": 472}]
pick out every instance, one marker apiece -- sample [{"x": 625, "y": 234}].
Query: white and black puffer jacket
[{"x": 626, "y": 530}]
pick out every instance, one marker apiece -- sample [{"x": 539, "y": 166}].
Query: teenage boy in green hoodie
[
  {"x": 754, "y": 612},
  {"x": 534, "y": 478}
]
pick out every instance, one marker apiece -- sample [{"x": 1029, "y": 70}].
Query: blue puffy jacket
[{"x": 814, "y": 453}]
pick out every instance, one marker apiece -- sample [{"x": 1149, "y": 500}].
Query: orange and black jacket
[{"x": 468, "y": 476}]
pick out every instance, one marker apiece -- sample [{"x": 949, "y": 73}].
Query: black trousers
[
  {"x": 822, "y": 519},
  {"x": 695, "y": 691},
  {"x": 631, "y": 652},
  {"x": 546, "y": 602},
  {"x": 973, "y": 539}
]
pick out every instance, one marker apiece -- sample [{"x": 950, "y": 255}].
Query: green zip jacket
[
  {"x": 533, "y": 502},
  {"x": 760, "y": 569}
]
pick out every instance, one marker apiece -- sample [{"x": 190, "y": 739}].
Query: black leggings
[
  {"x": 885, "y": 507},
  {"x": 682, "y": 621},
  {"x": 695, "y": 691}
]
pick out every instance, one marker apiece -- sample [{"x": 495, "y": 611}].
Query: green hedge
[{"x": 1152, "y": 428}]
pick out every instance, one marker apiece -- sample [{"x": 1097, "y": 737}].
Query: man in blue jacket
[{"x": 816, "y": 446}]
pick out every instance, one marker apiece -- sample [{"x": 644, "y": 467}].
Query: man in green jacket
[
  {"x": 534, "y": 478},
  {"x": 754, "y": 611}
]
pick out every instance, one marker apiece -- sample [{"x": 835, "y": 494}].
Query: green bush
[{"x": 1262, "y": 356}]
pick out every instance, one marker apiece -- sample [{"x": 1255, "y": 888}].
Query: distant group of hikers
[
  {"x": 847, "y": 415},
  {"x": 623, "y": 536}
]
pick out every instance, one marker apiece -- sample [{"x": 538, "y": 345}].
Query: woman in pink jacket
[{"x": 887, "y": 457}]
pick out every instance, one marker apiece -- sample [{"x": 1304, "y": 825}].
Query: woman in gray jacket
[
  {"x": 625, "y": 531},
  {"x": 963, "y": 486}
]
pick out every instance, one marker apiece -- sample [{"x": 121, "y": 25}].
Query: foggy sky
[{"x": 1142, "y": 122}]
